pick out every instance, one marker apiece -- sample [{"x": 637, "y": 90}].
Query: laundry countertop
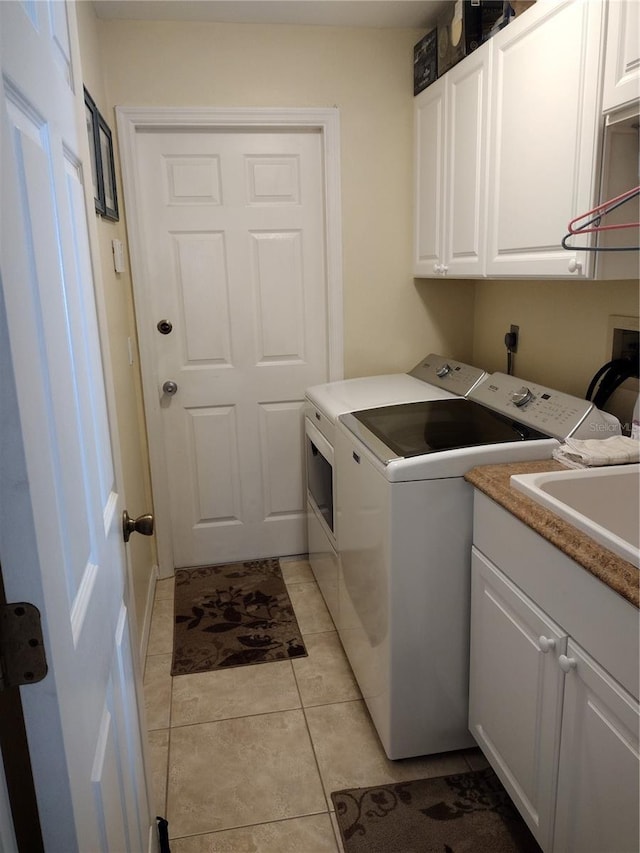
[{"x": 494, "y": 481}]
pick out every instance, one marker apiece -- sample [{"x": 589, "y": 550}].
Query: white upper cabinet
[
  {"x": 467, "y": 127},
  {"x": 429, "y": 171},
  {"x": 507, "y": 147},
  {"x": 451, "y": 124},
  {"x": 621, "y": 105},
  {"x": 545, "y": 138},
  {"x": 622, "y": 63}
]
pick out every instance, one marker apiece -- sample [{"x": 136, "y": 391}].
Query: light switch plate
[{"x": 118, "y": 255}]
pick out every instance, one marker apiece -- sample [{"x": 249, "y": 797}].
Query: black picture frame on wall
[
  {"x": 103, "y": 170},
  {"x": 91, "y": 117},
  {"x": 108, "y": 170}
]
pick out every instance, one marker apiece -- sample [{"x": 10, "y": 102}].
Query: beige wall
[
  {"x": 563, "y": 327},
  {"x": 390, "y": 322},
  {"x": 121, "y": 326}
]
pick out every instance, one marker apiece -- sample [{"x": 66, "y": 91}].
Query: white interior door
[
  {"x": 60, "y": 505},
  {"x": 232, "y": 230}
]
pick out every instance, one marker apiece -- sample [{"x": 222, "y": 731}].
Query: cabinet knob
[
  {"x": 546, "y": 644},
  {"x": 575, "y": 266},
  {"x": 567, "y": 664},
  {"x": 444, "y": 269},
  {"x": 437, "y": 268}
]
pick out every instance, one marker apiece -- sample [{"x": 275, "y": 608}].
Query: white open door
[{"x": 60, "y": 505}]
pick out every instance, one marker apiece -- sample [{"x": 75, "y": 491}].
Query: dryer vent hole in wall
[
  {"x": 616, "y": 387},
  {"x": 625, "y": 344}
]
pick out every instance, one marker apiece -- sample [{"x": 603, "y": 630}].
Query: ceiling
[{"x": 335, "y": 13}]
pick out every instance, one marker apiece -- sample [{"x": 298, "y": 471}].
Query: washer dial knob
[
  {"x": 443, "y": 370},
  {"x": 521, "y": 396}
]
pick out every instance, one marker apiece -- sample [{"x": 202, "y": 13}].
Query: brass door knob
[{"x": 142, "y": 524}]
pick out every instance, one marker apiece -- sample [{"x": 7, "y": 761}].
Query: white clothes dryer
[{"x": 433, "y": 378}]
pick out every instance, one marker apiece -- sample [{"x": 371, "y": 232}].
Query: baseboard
[
  {"x": 145, "y": 628},
  {"x": 154, "y": 844}
]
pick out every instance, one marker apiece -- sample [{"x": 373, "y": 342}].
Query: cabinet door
[
  {"x": 622, "y": 61},
  {"x": 598, "y": 778},
  {"x": 544, "y": 143},
  {"x": 515, "y": 692},
  {"x": 429, "y": 178},
  {"x": 465, "y": 195}
]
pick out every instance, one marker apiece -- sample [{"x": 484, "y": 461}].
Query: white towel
[{"x": 594, "y": 452}]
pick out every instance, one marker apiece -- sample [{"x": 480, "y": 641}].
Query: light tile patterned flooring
[{"x": 244, "y": 760}]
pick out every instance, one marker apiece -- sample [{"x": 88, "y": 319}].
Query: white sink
[{"x": 602, "y": 502}]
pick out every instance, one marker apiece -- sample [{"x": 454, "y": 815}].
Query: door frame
[{"x": 132, "y": 120}]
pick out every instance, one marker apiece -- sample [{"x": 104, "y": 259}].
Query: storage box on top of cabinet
[{"x": 463, "y": 27}]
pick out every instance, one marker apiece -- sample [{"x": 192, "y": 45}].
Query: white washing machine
[
  {"x": 433, "y": 378},
  {"x": 404, "y": 522}
]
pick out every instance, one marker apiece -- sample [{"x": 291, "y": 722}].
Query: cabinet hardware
[
  {"x": 567, "y": 664},
  {"x": 546, "y": 644}
]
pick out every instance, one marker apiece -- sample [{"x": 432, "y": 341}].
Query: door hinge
[{"x": 22, "y": 657}]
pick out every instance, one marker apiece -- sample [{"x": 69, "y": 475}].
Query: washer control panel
[
  {"x": 455, "y": 376},
  {"x": 553, "y": 412}
]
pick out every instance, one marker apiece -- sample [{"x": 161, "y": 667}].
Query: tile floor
[{"x": 244, "y": 760}]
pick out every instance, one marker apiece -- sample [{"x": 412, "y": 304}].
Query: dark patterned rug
[
  {"x": 464, "y": 813},
  {"x": 232, "y": 615}
]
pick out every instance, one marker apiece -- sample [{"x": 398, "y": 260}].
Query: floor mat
[
  {"x": 233, "y": 615},
  {"x": 462, "y": 813}
]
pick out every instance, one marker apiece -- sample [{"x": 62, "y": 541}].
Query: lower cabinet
[
  {"x": 598, "y": 798},
  {"x": 515, "y": 693},
  {"x": 561, "y": 734}
]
